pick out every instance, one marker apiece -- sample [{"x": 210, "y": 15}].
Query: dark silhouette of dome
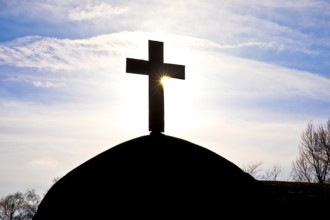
[{"x": 154, "y": 176}]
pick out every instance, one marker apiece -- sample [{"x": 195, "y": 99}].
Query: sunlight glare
[{"x": 164, "y": 80}]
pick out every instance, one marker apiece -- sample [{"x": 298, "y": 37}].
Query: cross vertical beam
[
  {"x": 156, "y": 90},
  {"x": 155, "y": 68}
]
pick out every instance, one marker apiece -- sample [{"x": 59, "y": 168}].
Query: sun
[{"x": 164, "y": 80}]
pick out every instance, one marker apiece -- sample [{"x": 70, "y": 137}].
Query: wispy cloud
[
  {"x": 94, "y": 66},
  {"x": 29, "y": 80},
  {"x": 95, "y": 57},
  {"x": 54, "y": 11},
  {"x": 45, "y": 163},
  {"x": 55, "y": 54},
  {"x": 289, "y": 26},
  {"x": 93, "y": 12}
]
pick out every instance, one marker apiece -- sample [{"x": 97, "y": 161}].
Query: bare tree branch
[
  {"x": 253, "y": 169},
  {"x": 313, "y": 162}
]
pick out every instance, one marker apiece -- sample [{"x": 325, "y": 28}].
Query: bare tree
[
  {"x": 253, "y": 169},
  {"x": 32, "y": 201},
  {"x": 19, "y": 206},
  {"x": 313, "y": 162},
  {"x": 272, "y": 173},
  {"x": 55, "y": 180}
]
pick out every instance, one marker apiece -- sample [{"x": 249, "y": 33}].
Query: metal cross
[{"x": 155, "y": 68}]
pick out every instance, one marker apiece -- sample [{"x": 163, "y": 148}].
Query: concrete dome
[{"x": 153, "y": 174}]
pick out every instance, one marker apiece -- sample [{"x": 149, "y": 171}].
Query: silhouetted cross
[{"x": 156, "y": 69}]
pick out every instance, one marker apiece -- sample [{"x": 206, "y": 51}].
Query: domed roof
[{"x": 152, "y": 174}]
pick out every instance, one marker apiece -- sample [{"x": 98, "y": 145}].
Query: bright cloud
[
  {"x": 92, "y": 12},
  {"x": 76, "y": 10},
  {"x": 46, "y": 163},
  {"x": 268, "y": 25},
  {"x": 96, "y": 57}
]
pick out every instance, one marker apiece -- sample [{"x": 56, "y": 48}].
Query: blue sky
[{"x": 256, "y": 73}]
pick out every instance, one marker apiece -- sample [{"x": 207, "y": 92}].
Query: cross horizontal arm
[
  {"x": 137, "y": 66},
  {"x": 174, "y": 71}
]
